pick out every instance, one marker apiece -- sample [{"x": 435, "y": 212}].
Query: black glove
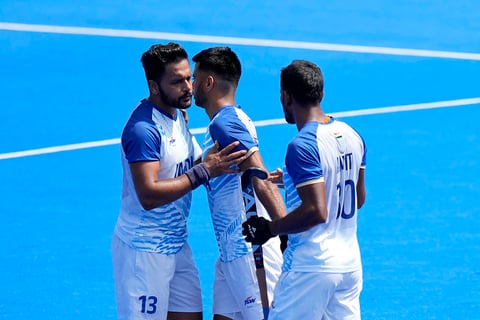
[
  {"x": 283, "y": 242},
  {"x": 256, "y": 230}
]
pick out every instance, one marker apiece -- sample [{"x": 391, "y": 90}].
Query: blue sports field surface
[{"x": 403, "y": 73}]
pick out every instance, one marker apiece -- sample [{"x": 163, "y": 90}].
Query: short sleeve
[
  {"x": 228, "y": 130},
  {"x": 303, "y": 161},
  {"x": 141, "y": 142}
]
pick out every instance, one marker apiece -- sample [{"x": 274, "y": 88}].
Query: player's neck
[
  {"x": 314, "y": 113},
  {"x": 165, "y": 108},
  {"x": 217, "y": 104}
]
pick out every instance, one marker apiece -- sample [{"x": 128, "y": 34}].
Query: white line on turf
[
  {"x": 236, "y": 41},
  {"x": 260, "y": 123}
]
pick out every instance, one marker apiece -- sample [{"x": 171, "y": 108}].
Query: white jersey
[
  {"x": 152, "y": 135},
  {"x": 332, "y": 153},
  {"x": 224, "y": 192}
]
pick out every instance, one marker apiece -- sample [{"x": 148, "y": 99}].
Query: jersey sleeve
[
  {"x": 303, "y": 163},
  {"x": 141, "y": 142},
  {"x": 228, "y": 130}
]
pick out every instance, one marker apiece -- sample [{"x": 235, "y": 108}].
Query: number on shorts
[
  {"x": 346, "y": 192},
  {"x": 149, "y": 304}
]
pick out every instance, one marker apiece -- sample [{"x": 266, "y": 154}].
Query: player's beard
[
  {"x": 289, "y": 118},
  {"x": 199, "y": 97},
  {"x": 176, "y": 102}
]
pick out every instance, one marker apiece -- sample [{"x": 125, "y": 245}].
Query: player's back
[{"x": 335, "y": 154}]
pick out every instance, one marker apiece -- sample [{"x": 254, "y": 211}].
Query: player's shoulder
[
  {"x": 143, "y": 111},
  {"x": 140, "y": 123},
  {"x": 142, "y": 116},
  {"x": 304, "y": 140},
  {"x": 225, "y": 117},
  {"x": 306, "y": 133},
  {"x": 341, "y": 123},
  {"x": 346, "y": 127},
  {"x": 228, "y": 112}
]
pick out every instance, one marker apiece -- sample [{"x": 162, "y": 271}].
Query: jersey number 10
[{"x": 346, "y": 195}]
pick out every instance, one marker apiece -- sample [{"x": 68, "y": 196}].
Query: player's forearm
[
  {"x": 299, "y": 220},
  {"x": 361, "y": 191},
  {"x": 161, "y": 192},
  {"x": 271, "y": 198}
]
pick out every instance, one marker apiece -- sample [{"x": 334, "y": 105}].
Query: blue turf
[{"x": 418, "y": 233}]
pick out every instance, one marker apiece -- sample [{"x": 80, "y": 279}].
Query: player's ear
[
  {"x": 209, "y": 83},
  {"x": 285, "y": 98},
  {"x": 153, "y": 86}
]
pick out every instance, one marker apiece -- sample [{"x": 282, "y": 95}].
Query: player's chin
[
  {"x": 185, "y": 103},
  {"x": 199, "y": 102}
]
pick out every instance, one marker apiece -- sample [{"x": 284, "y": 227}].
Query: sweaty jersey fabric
[
  {"x": 331, "y": 153},
  {"x": 224, "y": 192},
  {"x": 152, "y": 135}
]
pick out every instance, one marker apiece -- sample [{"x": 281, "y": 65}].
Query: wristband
[{"x": 198, "y": 175}]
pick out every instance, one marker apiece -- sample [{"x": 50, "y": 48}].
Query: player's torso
[
  {"x": 162, "y": 229},
  {"x": 224, "y": 192},
  {"x": 176, "y": 149}
]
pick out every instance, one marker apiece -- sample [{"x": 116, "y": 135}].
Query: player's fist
[{"x": 256, "y": 230}]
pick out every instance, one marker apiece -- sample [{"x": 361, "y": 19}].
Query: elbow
[
  {"x": 360, "y": 204},
  {"x": 147, "y": 205},
  {"x": 319, "y": 215},
  {"x": 361, "y": 191},
  {"x": 149, "y": 202},
  {"x": 322, "y": 218}
]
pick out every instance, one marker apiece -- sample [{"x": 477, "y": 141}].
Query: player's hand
[
  {"x": 256, "y": 230},
  {"x": 276, "y": 177},
  {"x": 220, "y": 162}
]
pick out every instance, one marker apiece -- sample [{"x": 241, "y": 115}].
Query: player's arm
[
  {"x": 361, "y": 190},
  {"x": 305, "y": 169},
  {"x": 311, "y": 212},
  {"x": 266, "y": 191},
  {"x": 153, "y": 192}
]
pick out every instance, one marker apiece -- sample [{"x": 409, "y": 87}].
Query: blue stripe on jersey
[
  {"x": 222, "y": 184},
  {"x": 159, "y": 230},
  {"x": 292, "y": 198}
]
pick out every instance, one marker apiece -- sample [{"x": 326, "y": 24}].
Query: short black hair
[
  {"x": 158, "y": 56},
  {"x": 303, "y": 80},
  {"x": 221, "y": 61}
]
